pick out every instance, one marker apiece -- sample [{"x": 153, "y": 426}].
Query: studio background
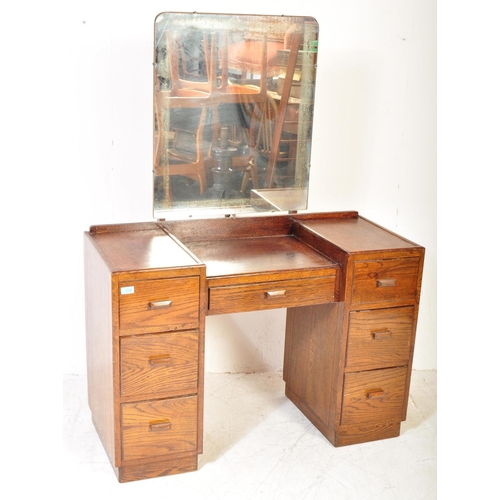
[
  {"x": 77, "y": 114},
  {"x": 76, "y": 150},
  {"x": 374, "y": 144}
]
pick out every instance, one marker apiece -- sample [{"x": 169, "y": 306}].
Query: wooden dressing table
[{"x": 351, "y": 289}]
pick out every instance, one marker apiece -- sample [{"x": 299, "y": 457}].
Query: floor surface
[{"x": 258, "y": 445}]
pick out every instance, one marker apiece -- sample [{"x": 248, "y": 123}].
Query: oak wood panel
[
  {"x": 159, "y": 365},
  {"x": 364, "y": 433},
  {"x": 154, "y": 428},
  {"x": 413, "y": 334},
  {"x": 124, "y": 227},
  {"x": 99, "y": 345},
  {"x": 229, "y": 228},
  {"x": 379, "y": 338},
  {"x": 346, "y": 214},
  {"x": 355, "y": 235},
  {"x": 201, "y": 357},
  {"x": 116, "y": 367},
  {"x": 155, "y": 274},
  {"x": 322, "y": 426},
  {"x": 271, "y": 295},
  {"x": 160, "y": 466},
  {"x": 250, "y": 253},
  {"x": 342, "y": 335},
  {"x": 257, "y": 255},
  {"x": 310, "y": 367},
  {"x": 171, "y": 303},
  {"x": 372, "y": 396},
  {"x": 284, "y": 275},
  {"x": 326, "y": 248},
  {"x": 390, "y": 280},
  {"x": 142, "y": 250}
]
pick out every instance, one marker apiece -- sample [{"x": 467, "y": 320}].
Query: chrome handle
[{"x": 275, "y": 293}]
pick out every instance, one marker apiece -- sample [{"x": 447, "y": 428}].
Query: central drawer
[
  {"x": 271, "y": 295},
  {"x": 153, "y": 428}
]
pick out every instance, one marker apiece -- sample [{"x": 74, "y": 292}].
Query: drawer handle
[
  {"x": 161, "y": 304},
  {"x": 374, "y": 393},
  {"x": 165, "y": 359},
  {"x": 275, "y": 293},
  {"x": 165, "y": 425},
  {"x": 386, "y": 282},
  {"x": 381, "y": 334}
]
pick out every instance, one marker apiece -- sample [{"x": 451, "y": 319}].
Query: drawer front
[
  {"x": 271, "y": 295},
  {"x": 393, "y": 280},
  {"x": 158, "y": 365},
  {"x": 379, "y": 338},
  {"x": 171, "y": 304},
  {"x": 153, "y": 428},
  {"x": 373, "y": 396}
]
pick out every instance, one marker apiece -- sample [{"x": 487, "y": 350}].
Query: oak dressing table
[{"x": 351, "y": 288}]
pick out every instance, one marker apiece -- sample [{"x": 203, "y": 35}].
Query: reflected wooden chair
[
  {"x": 181, "y": 150},
  {"x": 211, "y": 88},
  {"x": 204, "y": 85}
]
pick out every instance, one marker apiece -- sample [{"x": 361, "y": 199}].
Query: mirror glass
[{"x": 233, "y": 112}]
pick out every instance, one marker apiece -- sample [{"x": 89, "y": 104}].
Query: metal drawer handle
[
  {"x": 381, "y": 334},
  {"x": 275, "y": 293},
  {"x": 160, "y": 426},
  {"x": 374, "y": 393},
  {"x": 386, "y": 282},
  {"x": 161, "y": 304},
  {"x": 164, "y": 359}
]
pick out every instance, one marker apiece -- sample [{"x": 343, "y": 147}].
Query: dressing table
[{"x": 351, "y": 288}]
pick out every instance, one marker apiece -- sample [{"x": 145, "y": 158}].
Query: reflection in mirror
[{"x": 233, "y": 109}]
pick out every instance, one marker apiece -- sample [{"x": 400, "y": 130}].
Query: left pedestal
[{"x": 145, "y": 317}]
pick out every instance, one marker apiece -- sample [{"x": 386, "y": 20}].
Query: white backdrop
[{"x": 80, "y": 103}]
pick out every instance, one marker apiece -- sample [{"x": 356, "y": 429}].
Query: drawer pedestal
[{"x": 351, "y": 290}]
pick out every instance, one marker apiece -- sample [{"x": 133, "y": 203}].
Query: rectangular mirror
[{"x": 233, "y": 113}]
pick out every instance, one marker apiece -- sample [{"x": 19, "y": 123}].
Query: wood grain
[
  {"x": 379, "y": 338},
  {"x": 158, "y": 467},
  {"x": 160, "y": 365},
  {"x": 136, "y": 309},
  {"x": 140, "y": 441},
  {"x": 311, "y": 349},
  {"x": 351, "y": 289},
  {"x": 373, "y": 396},
  {"x": 390, "y": 280},
  {"x": 99, "y": 345},
  {"x": 271, "y": 295},
  {"x": 257, "y": 255}
]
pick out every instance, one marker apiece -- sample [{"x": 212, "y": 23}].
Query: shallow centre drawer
[
  {"x": 379, "y": 338},
  {"x": 169, "y": 304},
  {"x": 155, "y": 365},
  {"x": 271, "y": 295},
  {"x": 152, "y": 428},
  {"x": 373, "y": 396}
]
